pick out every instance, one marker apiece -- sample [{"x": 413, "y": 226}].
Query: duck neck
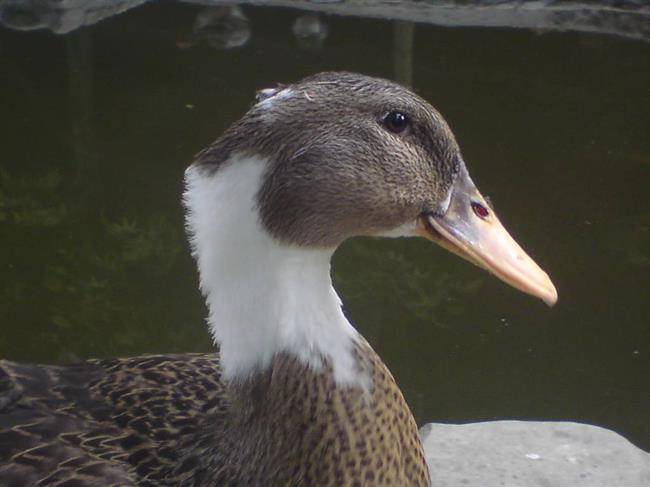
[{"x": 264, "y": 297}]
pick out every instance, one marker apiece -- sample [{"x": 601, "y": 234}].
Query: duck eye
[{"x": 396, "y": 122}]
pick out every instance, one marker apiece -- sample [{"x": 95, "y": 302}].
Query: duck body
[
  {"x": 169, "y": 420},
  {"x": 295, "y": 395}
]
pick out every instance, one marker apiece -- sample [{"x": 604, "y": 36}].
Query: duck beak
[{"x": 470, "y": 228}]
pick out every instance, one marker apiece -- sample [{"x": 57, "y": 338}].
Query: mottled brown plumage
[
  {"x": 104, "y": 422},
  {"x": 169, "y": 420}
]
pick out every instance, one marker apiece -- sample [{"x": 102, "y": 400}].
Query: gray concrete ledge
[{"x": 532, "y": 454}]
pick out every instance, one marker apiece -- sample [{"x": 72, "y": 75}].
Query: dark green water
[{"x": 98, "y": 125}]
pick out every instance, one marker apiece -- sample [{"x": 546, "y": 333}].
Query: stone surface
[{"x": 532, "y": 454}]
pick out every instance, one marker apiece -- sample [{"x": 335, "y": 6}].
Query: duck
[{"x": 295, "y": 395}]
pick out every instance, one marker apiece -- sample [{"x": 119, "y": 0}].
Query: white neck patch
[{"x": 264, "y": 297}]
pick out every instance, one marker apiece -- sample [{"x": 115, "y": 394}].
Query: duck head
[{"x": 351, "y": 155}]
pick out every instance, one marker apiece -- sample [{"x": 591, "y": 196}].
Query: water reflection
[
  {"x": 403, "y": 52},
  {"x": 79, "y": 56},
  {"x": 310, "y": 31},
  {"x": 219, "y": 28}
]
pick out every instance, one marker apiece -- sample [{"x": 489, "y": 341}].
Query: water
[{"x": 98, "y": 125}]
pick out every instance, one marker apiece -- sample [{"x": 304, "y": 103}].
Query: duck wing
[{"x": 104, "y": 422}]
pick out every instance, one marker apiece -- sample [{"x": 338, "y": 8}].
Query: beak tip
[
  {"x": 551, "y": 301},
  {"x": 550, "y": 295}
]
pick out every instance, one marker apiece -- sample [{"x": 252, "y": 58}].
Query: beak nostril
[{"x": 480, "y": 210}]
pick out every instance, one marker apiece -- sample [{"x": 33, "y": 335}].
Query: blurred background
[{"x": 103, "y": 104}]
